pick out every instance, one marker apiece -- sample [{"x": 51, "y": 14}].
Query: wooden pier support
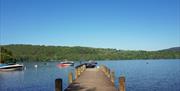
[
  {"x": 109, "y": 73},
  {"x": 76, "y": 74},
  {"x": 70, "y": 77},
  {"x": 58, "y": 85},
  {"x": 112, "y": 77},
  {"x": 122, "y": 84},
  {"x": 79, "y": 71}
]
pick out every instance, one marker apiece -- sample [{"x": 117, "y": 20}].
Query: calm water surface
[{"x": 141, "y": 75}]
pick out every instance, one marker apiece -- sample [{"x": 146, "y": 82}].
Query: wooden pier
[{"x": 93, "y": 79}]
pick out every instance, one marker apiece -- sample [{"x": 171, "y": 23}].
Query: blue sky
[{"x": 121, "y": 24}]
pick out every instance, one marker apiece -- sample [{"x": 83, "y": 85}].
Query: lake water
[{"x": 141, "y": 75}]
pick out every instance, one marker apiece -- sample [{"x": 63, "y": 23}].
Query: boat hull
[{"x": 11, "y": 67}]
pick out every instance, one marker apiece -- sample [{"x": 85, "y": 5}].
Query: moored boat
[
  {"x": 11, "y": 67},
  {"x": 91, "y": 64},
  {"x": 67, "y": 63}
]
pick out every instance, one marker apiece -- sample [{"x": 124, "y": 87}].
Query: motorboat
[
  {"x": 65, "y": 64},
  {"x": 68, "y": 63},
  {"x": 91, "y": 64},
  {"x": 11, "y": 67}
]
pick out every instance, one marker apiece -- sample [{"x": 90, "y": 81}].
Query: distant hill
[
  {"x": 172, "y": 49},
  {"x": 23, "y": 52}
]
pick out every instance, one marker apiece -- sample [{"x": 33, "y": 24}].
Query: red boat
[{"x": 65, "y": 64}]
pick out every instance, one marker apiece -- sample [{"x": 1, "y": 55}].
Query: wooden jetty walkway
[{"x": 92, "y": 79}]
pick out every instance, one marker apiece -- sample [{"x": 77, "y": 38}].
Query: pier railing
[
  {"x": 78, "y": 70},
  {"x": 111, "y": 75},
  {"x": 108, "y": 73}
]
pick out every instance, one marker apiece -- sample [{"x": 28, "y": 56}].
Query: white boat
[
  {"x": 67, "y": 63},
  {"x": 6, "y": 67}
]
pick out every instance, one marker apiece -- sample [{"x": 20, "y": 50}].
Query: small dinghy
[{"x": 11, "y": 67}]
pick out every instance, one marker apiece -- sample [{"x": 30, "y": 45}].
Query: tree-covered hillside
[
  {"x": 5, "y": 55},
  {"x": 46, "y": 53}
]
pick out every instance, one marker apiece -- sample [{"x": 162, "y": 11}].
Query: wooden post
[
  {"x": 102, "y": 68},
  {"x": 84, "y": 67},
  {"x": 76, "y": 73},
  {"x": 58, "y": 85},
  {"x": 109, "y": 73},
  {"x": 112, "y": 77},
  {"x": 106, "y": 70},
  {"x": 70, "y": 77},
  {"x": 79, "y": 71},
  {"x": 122, "y": 84}
]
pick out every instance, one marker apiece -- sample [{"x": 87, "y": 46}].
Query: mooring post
[
  {"x": 112, "y": 77},
  {"x": 76, "y": 73},
  {"x": 81, "y": 68},
  {"x": 58, "y": 84},
  {"x": 70, "y": 77},
  {"x": 106, "y": 70},
  {"x": 109, "y": 73},
  {"x": 122, "y": 83},
  {"x": 79, "y": 72},
  {"x": 84, "y": 67},
  {"x": 102, "y": 68}
]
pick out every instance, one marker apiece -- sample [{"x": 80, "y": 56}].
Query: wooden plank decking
[{"x": 92, "y": 80}]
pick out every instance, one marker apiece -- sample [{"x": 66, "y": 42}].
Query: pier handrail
[
  {"x": 79, "y": 69},
  {"x": 108, "y": 73}
]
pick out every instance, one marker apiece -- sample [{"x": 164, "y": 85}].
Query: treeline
[
  {"x": 5, "y": 55},
  {"x": 47, "y": 53}
]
